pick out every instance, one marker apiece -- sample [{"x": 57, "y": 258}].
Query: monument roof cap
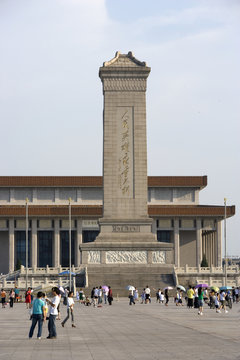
[{"x": 124, "y": 60}]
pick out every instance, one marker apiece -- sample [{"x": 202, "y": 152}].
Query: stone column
[
  {"x": 176, "y": 243},
  {"x": 34, "y": 254},
  {"x": 219, "y": 243},
  {"x": 78, "y": 242},
  {"x": 56, "y": 259},
  {"x": 11, "y": 246},
  {"x": 199, "y": 243}
]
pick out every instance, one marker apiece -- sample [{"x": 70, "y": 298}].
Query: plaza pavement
[{"x": 125, "y": 332}]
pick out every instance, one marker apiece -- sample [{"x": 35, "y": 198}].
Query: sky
[{"x": 51, "y": 100}]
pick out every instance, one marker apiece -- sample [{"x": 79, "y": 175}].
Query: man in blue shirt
[{"x": 37, "y": 315}]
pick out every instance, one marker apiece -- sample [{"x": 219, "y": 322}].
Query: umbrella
[
  {"x": 105, "y": 287},
  {"x": 181, "y": 287},
  {"x": 168, "y": 288},
  {"x": 66, "y": 273},
  {"x": 201, "y": 285},
  {"x": 215, "y": 288},
  {"x": 130, "y": 287},
  {"x": 225, "y": 288}
]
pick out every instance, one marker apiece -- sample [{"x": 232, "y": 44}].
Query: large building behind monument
[{"x": 125, "y": 225}]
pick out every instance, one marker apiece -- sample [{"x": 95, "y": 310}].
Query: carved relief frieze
[
  {"x": 126, "y": 257},
  {"x": 127, "y": 84},
  {"x": 94, "y": 257},
  {"x": 159, "y": 257}
]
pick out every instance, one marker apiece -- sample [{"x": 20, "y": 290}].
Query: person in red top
[
  {"x": 28, "y": 298},
  {"x": 110, "y": 296}
]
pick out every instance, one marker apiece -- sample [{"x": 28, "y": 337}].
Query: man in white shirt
[
  {"x": 147, "y": 294},
  {"x": 53, "y": 312},
  {"x": 95, "y": 297}
]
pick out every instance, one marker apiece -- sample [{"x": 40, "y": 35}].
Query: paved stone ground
[{"x": 125, "y": 332}]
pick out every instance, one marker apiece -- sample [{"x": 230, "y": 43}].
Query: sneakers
[
  {"x": 226, "y": 311},
  {"x": 73, "y": 325},
  {"x": 39, "y": 338},
  {"x": 62, "y": 324},
  {"x": 51, "y": 337}
]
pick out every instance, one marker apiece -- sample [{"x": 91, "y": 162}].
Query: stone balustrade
[{"x": 206, "y": 270}]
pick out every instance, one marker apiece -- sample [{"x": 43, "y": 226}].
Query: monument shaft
[{"x": 125, "y": 210}]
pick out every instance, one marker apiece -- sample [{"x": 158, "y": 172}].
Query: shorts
[
  {"x": 147, "y": 296},
  {"x": 200, "y": 303},
  {"x": 216, "y": 306},
  {"x": 3, "y": 300},
  {"x": 223, "y": 302}
]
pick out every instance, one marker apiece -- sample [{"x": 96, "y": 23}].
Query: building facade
[{"x": 186, "y": 229}]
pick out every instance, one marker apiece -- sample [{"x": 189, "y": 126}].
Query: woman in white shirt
[{"x": 70, "y": 304}]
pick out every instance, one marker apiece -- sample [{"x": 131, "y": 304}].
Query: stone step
[{"x": 118, "y": 280}]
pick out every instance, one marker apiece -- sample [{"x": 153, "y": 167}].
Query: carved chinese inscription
[
  {"x": 125, "y": 151},
  {"x": 126, "y": 228}
]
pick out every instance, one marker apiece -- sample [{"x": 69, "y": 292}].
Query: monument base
[{"x": 125, "y": 230}]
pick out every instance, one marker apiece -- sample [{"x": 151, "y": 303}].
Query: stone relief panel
[
  {"x": 159, "y": 257},
  {"x": 94, "y": 257},
  {"x": 126, "y": 257}
]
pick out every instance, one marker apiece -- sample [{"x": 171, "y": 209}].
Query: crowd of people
[{"x": 42, "y": 308}]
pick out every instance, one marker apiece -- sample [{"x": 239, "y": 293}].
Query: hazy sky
[{"x": 51, "y": 97}]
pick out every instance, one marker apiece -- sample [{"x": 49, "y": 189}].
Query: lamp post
[
  {"x": 70, "y": 243},
  {"x": 26, "y": 243},
  {"x": 225, "y": 238}
]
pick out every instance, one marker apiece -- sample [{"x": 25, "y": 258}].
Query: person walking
[
  {"x": 147, "y": 294},
  {"x": 110, "y": 295},
  {"x": 166, "y": 297},
  {"x": 131, "y": 297},
  {"x": 105, "y": 294},
  {"x": 222, "y": 298},
  {"x": 17, "y": 292},
  {"x": 70, "y": 304},
  {"x": 53, "y": 312},
  {"x": 190, "y": 295},
  {"x": 135, "y": 294},
  {"x": 38, "y": 315},
  {"x": 3, "y": 298},
  {"x": 11, "y": 298},
  {"x": 28, "y": 298},
  {"x": 200, "y": 300},
  {"x": 95, "y": 297},
  {"x": 81, "y": 295},
  {"x": 100, "y": 295}
]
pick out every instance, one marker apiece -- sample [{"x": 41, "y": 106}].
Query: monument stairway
[{"x": 118, "y": 277}]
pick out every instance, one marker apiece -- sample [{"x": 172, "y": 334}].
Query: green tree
[
  {"x": 204, "y": 262},
  {"x": 18, "y": 265}
]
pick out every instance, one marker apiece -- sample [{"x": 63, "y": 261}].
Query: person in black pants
[{"x": 11, "y": 298}]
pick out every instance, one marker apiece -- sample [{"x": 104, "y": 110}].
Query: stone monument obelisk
[
  {"x": 125, "y": 212},
  {"x": 125, "y": 236}
]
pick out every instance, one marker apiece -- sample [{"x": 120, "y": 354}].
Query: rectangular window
[
  {"x": 164, "y": 236},
  {"x": 64, "y": 241},
  {"x": 20, "y": 238},
  {"x": 45, "y": 248}
]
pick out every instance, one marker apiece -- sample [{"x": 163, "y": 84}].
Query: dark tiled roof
[
  {"x": 96, "y": 181},
  {"x": 96, "y": 210}
]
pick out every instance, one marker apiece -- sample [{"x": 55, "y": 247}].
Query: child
[
  {"x": 161, "y": 298},
  {"x": 217, "y": 304},
  {"x": 70, "y": 304}
]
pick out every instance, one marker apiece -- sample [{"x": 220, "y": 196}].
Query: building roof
[
  {"x": 97, "y": 181},
  {"x": 96, "y": 210}
]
